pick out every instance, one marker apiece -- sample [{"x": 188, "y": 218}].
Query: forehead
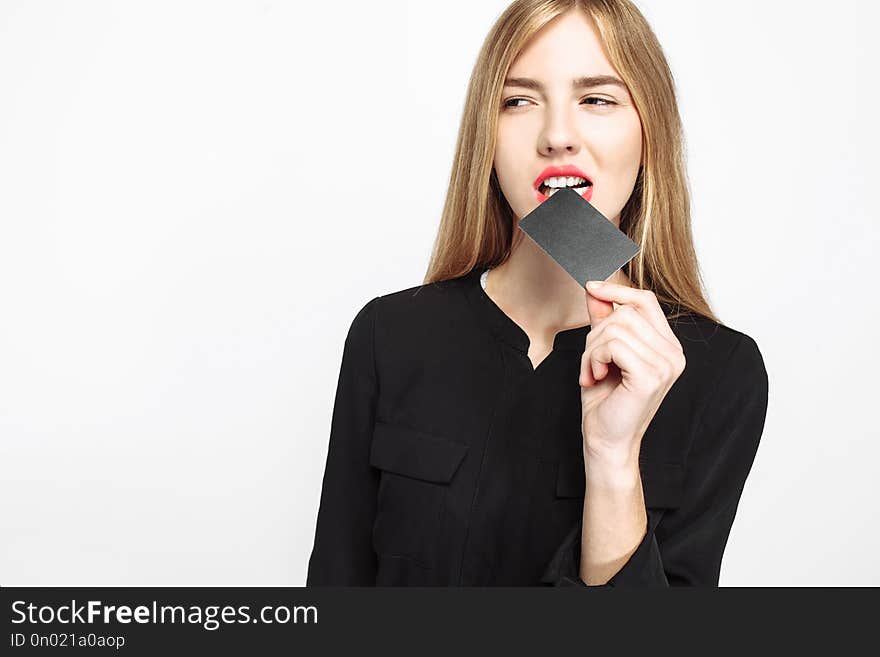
[{"x": 567, "y": 47}]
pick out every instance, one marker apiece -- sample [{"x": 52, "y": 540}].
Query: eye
[
  {"x": 605, "y": 101},
  {"x": 509, "y": 100}
]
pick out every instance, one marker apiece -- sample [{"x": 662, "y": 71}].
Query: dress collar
[{"x": 504, "y": 328}]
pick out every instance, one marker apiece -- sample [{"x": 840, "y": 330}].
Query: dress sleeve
[
  {"x": 684, "y": 546},
  {"x": 343, "y": 554}
]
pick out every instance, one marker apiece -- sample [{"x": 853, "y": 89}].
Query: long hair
[{"x": 477, "y": 226}]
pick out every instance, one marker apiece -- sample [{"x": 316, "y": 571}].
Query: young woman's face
[{"x": 549, "y": 122}]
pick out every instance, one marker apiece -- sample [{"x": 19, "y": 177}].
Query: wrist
[{"x": 613, "y": 470}]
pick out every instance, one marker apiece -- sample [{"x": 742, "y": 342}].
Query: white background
[{"x": 197, "y": 197}]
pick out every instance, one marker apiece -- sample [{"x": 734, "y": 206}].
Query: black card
[{"x": 579, "y": 237}]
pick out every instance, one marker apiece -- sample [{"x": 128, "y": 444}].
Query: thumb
[{"x": 598, "y": 309}]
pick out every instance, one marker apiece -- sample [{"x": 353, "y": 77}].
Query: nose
[{"x": 559, "y": 134}]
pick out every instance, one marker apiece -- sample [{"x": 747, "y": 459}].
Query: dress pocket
[
  {"x": 661, "y": 482},
  {"x": 417, "y": 469}
]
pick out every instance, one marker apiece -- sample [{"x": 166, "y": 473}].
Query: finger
[
  {"x": 633, "y": 365},
  {"x": 644, "y": 351},
  {"x": 586, "y": 378},
  {"x": 644, "y": 300},
  {"x": 597, "y": 308},
  {"x": 638, "y": 329}
]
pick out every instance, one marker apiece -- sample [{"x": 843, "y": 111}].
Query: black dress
[{"x": 453, "y": 462}]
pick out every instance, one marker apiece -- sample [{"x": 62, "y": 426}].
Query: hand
[{"x": 631, "y": 360}]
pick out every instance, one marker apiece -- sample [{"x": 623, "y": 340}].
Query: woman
[{"x": 501, "y": 424}]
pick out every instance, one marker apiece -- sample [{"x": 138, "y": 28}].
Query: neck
[{"x": 539, "y": 294}]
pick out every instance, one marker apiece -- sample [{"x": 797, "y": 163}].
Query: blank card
[{"x": 579, "y": 237}]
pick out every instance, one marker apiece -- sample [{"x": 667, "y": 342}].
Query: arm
[
  {"x": 686, "y": 548},
  {"x": 343, "y": 553},
  {"x": 614, "y": 519}
]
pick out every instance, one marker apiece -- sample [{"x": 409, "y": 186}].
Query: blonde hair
[{"x": 477, "y": 226}]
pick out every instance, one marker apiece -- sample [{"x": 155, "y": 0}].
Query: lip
[{"x": 567, "y": 170}]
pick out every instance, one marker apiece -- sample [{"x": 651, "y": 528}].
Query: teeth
[
  {"x": 565, "y": 181},
  {"x": 554, "y": 184}
]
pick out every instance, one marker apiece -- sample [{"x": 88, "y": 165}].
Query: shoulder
[
  {"x": 415, "y": 330},
  {"x": 420, "y": 308},
  {"x": 414, "y": 309},
  {"x": 724, "y": 384},
  {"x": 711, "y": 343},
  {"x": 428, "y": 297},
  {"x": 720, "y": 360}
]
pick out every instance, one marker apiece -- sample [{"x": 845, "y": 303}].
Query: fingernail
[{"x": 594, "y": 285}]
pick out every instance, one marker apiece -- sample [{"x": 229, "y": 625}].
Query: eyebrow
[{"x": 584, "y": 82}]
